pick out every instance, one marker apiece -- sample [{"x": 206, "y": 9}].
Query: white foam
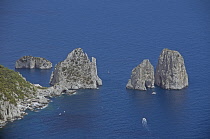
[{"x": 144, "y": 124}]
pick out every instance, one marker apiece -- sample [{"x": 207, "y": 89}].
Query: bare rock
[
  {"x": 171, "y": 72},
  {"x": 33, "y": 62},
  {"x": 8, "y": 111},
  {"x": 76, "y": 72},
  {"x": 142, "y": 76}
]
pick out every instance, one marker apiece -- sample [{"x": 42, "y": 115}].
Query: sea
[{"x": 120, "y": 34}]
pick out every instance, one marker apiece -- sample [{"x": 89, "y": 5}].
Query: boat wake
[{"x": 144, "y": 124}]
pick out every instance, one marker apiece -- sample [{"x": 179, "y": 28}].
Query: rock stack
[
  {"x": 171, "y": 72},
  {"x": 76, "y": 72},
  {"x": 142, "y": 76},
  {"x": 33, "y": 62}
]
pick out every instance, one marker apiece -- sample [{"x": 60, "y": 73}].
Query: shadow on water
[{"x": 172, "y": 101}]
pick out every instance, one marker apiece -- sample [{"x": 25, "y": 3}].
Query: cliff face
[
  {"x": 142, "y": 76},
  {"x": 13, "y": 89},
  {"x": 76, "y": 72},
  {"x": 18, "y": 95},
  {"x": 33, "y": 62},
  {"x": 9, "y": 111},
  {"x": 171, "y": 72}
]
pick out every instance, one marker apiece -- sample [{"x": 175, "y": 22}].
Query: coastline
[{"x": 40, "y": 101}]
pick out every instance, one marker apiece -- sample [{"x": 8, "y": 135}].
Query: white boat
[
  {"x": 144, "y": 121},
  {"x": 144, "y": 124},
  {"x": 154, "y": 93}
]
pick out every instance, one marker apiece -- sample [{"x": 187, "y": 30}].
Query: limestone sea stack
[
  {"x": 142, "y": 76},
  {"x": 76, "y": 72},
  {"x": 33, "y": 62},
  {"x": 171, "y": 72}
]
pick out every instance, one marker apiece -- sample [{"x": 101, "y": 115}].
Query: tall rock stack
[
  {"x": 171, "y": 72},
  {"x": 76, "y": 72},
  {"x": 142, "y": 76}
]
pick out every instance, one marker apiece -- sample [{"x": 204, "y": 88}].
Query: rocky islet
[
  {"x": 33, "y": 62},
  {"x": 142, "y": 76},
  {"x": 170, "y": 73},
  {"x": 76, "y": 72}
]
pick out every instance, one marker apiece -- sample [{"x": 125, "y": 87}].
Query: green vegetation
[{"x": 13, "y": 86}]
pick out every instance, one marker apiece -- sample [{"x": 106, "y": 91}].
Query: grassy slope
[{"x": 13, "y": 86}]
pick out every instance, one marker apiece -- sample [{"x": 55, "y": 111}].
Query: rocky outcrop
[
  {"x": 33, "y": 62},
  {"x": 18, "y": 95},
  {"x": 171, "y": 72},
  {"x": 55, "y": 90},
  {"x": 142, "y": 76},
  {"x": 9, "y": 111},
  {"x": 76, "y": 72},
  {"x": 13, "y": 89}
]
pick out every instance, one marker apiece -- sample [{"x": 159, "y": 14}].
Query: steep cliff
[
  {"x": 142, "y": 76},
  {"x": 13, "y": 89},
  {"x": 171, "y": 72},
  {"x": 18, "y": 95},
  {"x": 33, "y": 62},
  {"x": 76, "y": 72}
]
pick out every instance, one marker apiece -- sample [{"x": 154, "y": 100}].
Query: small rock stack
[
  {"x": 142, "y": 76},
  {"x": 33, "y": 62}
]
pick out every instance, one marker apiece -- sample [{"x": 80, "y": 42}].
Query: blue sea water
[{"x": 120, "y": 34}]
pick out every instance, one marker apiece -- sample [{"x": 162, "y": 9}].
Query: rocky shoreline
[{"x": 41, "y": 101}]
